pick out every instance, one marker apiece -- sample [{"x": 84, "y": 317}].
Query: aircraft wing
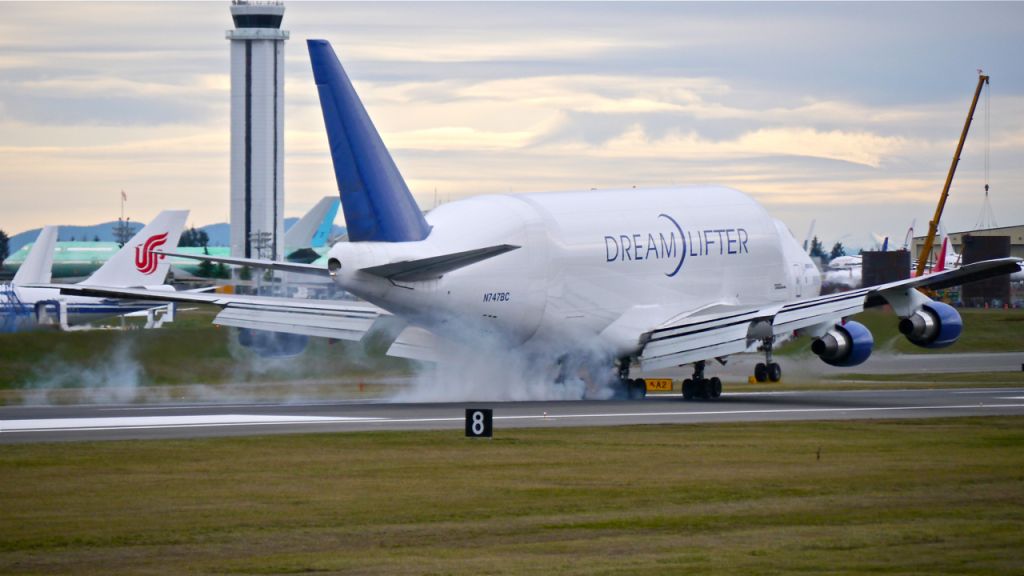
[
  {"x": 296, "y": 267},
  {"x": 326, "y": 318},
  {"x": 724, "y": 330}
]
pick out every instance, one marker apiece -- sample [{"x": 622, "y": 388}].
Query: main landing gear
[
  {"x": 701, "y": 387},
  {"x": 768, "y": 370},
  {"x": 632, "y": 388}
]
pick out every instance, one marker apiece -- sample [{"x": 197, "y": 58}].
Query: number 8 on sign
[{"x": 479, "y": 423}]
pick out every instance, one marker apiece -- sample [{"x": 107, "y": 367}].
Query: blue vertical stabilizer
[{"x": 377, "y": 204}]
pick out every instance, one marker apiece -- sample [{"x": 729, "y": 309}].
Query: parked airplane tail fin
[
  {"x": 37, "y": 265},
  {"x": 377, "y": 203},
  {"x": 135, "y": 264},
  {"x": 949, "y": 255},
  {"x": 314, "y": 228},
  {"x": 940, "y": 260}
]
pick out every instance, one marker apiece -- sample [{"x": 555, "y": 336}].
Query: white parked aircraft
[
  {"x": 134, "y": 265},
  {"x": 656, "y": 278}
]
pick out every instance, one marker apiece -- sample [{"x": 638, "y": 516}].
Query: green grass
[
  {"x": 188, "y": 351},
  {"x": 894, "y": 497}
]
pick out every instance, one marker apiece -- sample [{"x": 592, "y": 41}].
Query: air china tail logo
[
  {"x": 673, "y": 245},
  {"x": 145, "y": 260}
]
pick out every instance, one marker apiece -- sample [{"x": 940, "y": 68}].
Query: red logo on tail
[{"x": 145, "y": 260}]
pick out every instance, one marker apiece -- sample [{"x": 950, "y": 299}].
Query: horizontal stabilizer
[
  {"x": 296, "y": 267},
  {"x": 436, "y": 266}
]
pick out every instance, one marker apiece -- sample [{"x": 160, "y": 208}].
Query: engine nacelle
[
  {"x": 846, "y": 344},
  {"x": 934, "y": 325}
]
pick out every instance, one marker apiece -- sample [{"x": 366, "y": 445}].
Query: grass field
[
  {"x": 893, "y": 497},
  {"x": 188, "y": 351}
]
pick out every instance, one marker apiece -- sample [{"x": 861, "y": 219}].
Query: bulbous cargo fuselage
[{"x": 585, "y": 259}]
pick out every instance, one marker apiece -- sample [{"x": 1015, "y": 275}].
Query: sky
[{"x": 846, "y": 114}]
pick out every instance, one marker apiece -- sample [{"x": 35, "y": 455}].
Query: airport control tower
[{"x": 257, "y": 129}]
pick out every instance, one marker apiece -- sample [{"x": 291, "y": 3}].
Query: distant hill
[
  {"x": 220, "y": 233},
  {"x": 102, "y": 232}
]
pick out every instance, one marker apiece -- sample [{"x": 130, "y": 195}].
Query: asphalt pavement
[{"x": 96, "y": 422}]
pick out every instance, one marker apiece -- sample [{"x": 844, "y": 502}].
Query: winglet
[
  {"x": 377, "y": 203},
  {"x": 36, "y": 267}
]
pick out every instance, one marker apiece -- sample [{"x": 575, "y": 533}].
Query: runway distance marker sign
[{"x": 479, "y": 423}]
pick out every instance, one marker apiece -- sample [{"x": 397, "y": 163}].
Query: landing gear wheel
[
  {"x": 715, "y": 387},
  {"x": 637, "y": 389},
  {"x": 761, "y": 372},
  {"x": 701, "y": 387},
  {"x": 687, "y": 389},
  {"x": 774, "y": 372}
]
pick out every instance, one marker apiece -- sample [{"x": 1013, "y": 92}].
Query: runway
[{"x": 79, "y": 423}]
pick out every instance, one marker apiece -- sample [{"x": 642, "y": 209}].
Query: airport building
[
  {"x": 1015, "y": 233},
  {"x": 257, "y": 129},
  {"x": 975, "y": 245}
]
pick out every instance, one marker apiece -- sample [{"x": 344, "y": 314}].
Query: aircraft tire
[
  {"x": 687, "y": 389},
  {"x": 761, "y": 372},
  {"x": 774, "y": 372},
  {"x": 715, "y": 385},
  {"x": 704, "y": 388},
  {"x": 637, "y": 389}
]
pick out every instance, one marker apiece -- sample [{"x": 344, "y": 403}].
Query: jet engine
[
  {"x": 845, "y": 344},
  {"x": 934, "y": 325}
]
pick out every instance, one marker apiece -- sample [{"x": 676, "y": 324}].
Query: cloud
[
  {"x": 789, "y": 103},
  {"x": 485, "y": 49},
  {"x": 207, "y": 85}
]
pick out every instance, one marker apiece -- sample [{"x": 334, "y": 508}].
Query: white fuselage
[{"x": 585, "y": 259}]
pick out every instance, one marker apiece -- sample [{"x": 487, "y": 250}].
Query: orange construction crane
[{"x": 929, "y": 240}]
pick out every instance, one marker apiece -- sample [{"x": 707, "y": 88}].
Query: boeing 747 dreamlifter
[{"x": 658, "y": 278}]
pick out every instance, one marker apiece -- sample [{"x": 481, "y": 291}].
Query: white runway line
[
  {"x": 118, "y": 423},
  {"x": 225, "y": 420},
  {"x": 550, "y": 416},
  {"x": 768, "y": 411}
]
